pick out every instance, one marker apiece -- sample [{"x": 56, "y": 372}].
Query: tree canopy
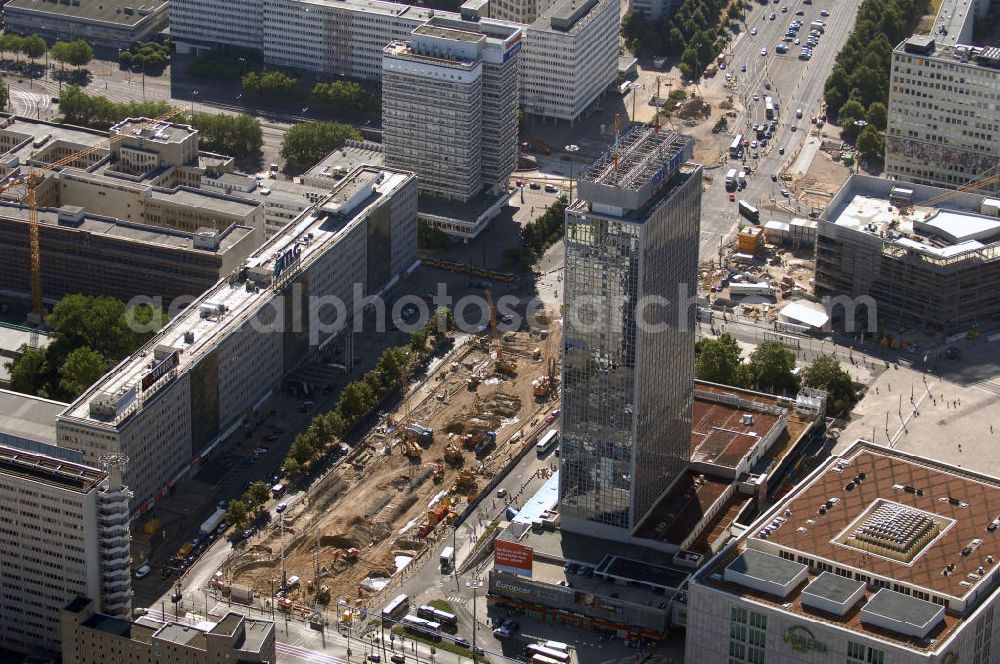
[
  {"x": 771, "y": 366},
  {"x": 234, "y": 135},
  {"x": 691, "y": 32},
  {"x": 345, "y": 96},
  {"x": 269, "y": 83},
  {"x": 100, "y": 112},
  {"x": 537, "y": 236},
  {"x": 90, "y": 334},
  {"x": 718, "y": 360},
  {"x": 76, "y": 53},
  {"x": 861, "y": 70},
  {"x": 306, "y": 143},
  {"x": 825, "y": 374}
]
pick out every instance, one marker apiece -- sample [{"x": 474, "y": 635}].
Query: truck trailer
[{"x": 212, "y": 522}]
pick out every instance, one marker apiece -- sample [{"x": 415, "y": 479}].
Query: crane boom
[{"x": 30, "y": 181}]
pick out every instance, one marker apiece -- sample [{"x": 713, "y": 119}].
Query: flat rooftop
[
  {"x": 29, "y": 417},
  {"x": 469, "y": 211},
  {"x": 313, "y": 233},
  {"x": 441, "y": 32},
  {"x": 347, "y": 157},
  {"x": 955, "y": 228},
  {"x": 106, "y": 11},
  {"x": 682, "y": 508},
  {"x": 205, "y": 200},
  {"x": 722, "y": 434},
  {"x": 12, "y": 337},
  {"x": 382, "y": 7},
  {"x": 102, "y": 226},
  {"x": 569, "y": 16},
  {"x": 49, "y": 470},
  {"x": 161, "y": 132},
  {"x": 24, "y": 132},
  {"x": 182, "y": 635},
  {"x": 879, "y": 514}
]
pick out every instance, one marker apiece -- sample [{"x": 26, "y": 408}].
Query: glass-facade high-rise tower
[{"x": 630, "y": 311}]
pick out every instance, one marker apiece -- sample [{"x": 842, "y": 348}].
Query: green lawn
[
  {"x": 442, "y": 605},
  {"x": 444, "y": 645}
]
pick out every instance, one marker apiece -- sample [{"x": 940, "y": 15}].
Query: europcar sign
[{"x": 802, "y": 640}]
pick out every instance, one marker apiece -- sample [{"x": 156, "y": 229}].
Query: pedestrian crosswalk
[{"x": 456, "y": 599}]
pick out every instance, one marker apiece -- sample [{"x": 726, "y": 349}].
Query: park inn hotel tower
[{"x": 628, "y": 364}]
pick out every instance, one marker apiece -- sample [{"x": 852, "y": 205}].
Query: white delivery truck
[
  {"x": 731, "y": 179},
  {"x": 447, "y": 559}
]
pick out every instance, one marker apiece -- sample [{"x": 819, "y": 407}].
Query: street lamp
[
  {"x": 475, "y": 585},
  {"x": 193, "y": 95},
  {"x": 572, "y": 150}
]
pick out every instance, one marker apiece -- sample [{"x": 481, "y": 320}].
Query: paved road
[{"x": 794, "y": 84}]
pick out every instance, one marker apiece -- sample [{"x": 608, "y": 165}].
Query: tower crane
[
  {"x": 504, "y": 365},
  {"x": 972, "y": 185},
  {"x": 23, "y": 188}
]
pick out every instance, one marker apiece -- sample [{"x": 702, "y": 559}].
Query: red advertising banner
[{"x": 513, "y": 558}]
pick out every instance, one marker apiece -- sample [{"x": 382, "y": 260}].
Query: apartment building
[
  {"x": 878, "y": 557},
  {"x": 91, "y": 637},
  {"x": 570, "y": 57},
  {"x": 467, "y": 140},
  {"x": 944, "y": 111},
  {"x": 64, "y": 531},
  {"x": 172, "y": 401},
  {"x": 442, "y": 141},
  {"x": 913, "y": 253},
  {"x": 627, "y": 373}
]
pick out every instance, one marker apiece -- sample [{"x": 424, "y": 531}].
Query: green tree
[
  {"x": 259, "y": 493},
  {"x": 431, "y": 237},
  {"x": 877, "y": 115},
  {"x": 4, "y": 95},
  {"x": 269, "y": 83},
  {"x": 836, "y": 89},
  {"x": 306, "y": 143},
  {"x": 346, "y": 96},
  {"x": 34, "y": 46},
  {"x": 237, "y": 514},
  {"x": 81, "y": 53},
  {"x": 771, "y": 365},
  {"x": 81, "y": 369},
  {"x": 870, "y": 143},
  {"x": 850, "y": 112},
  {"x": 391, "y": 366},
  {"x": 825, "y": 374},
  {"x": 292, "y": 468},
  {"x": 28, "y": 371},
  {"x": 716, "y": 360},
  {"x": 301, "y": 452},
  {"x": 356, "y": 401},
  {"x": 96, "y": 322},
  {"x": 12, "y": 43},
  {"x": 239, "y": 136}
]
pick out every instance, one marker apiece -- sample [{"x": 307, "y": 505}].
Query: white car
[
  {"x": 753, "y": 32},
  {"x": 144, "y": 570},
  {"x": 823, "y": 12},
  {"x": 797, "y": 41},
  {"x": 763, "y": 52}
]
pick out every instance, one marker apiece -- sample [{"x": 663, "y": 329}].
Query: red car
[{"x": 732, "y": 196}]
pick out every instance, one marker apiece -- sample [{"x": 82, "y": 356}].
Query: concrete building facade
[
  {"x": 518, "y": 11},
  {"x": 97, "y": 255},
  {"x": 111, "y": 24},
  {"x": 441, "y": 141},
  {"x": 64, "y": 531},
  {"x": 467, "y": 141},
  {"x": 570, "y": 57},
  {"x": 628, "y": 364},
  {"x": 911, "y": 253},
  {"x": 877, "y": 557},
  {"x": 190, "y": 386},
  {"x": 347, "y": 38},
  {"x": 944, "y": 113},
  {"x": 91, "y": 637}
]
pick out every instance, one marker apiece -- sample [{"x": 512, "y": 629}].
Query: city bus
[
  {"x": 546, "y": 442},
  {"x": 556, "y": 645},
  {"x": 557, "y": 655},
  {"x": 448, "y": 621},
  {"x": 749, "y": 211},
  {"x": 769, "y": 107},
  {"x": 396, "y": 608},
  {"x": 423, "y": 627},
  {"x": 736, "y": 146}
]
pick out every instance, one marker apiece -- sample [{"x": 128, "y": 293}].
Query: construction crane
[
  {"x": 981, "y": 183},
  {"x": 23, "y": 188},
  {"x": 504, "y": 365}
]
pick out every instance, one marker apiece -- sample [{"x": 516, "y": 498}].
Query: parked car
[
  {"x": 534, "y": 185},
  {"x": 551, "y": 188},
  {"x": 281, "y": 507},
  {"x": 143, "y": 571},
  {"x": 462, "y": 643}
]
